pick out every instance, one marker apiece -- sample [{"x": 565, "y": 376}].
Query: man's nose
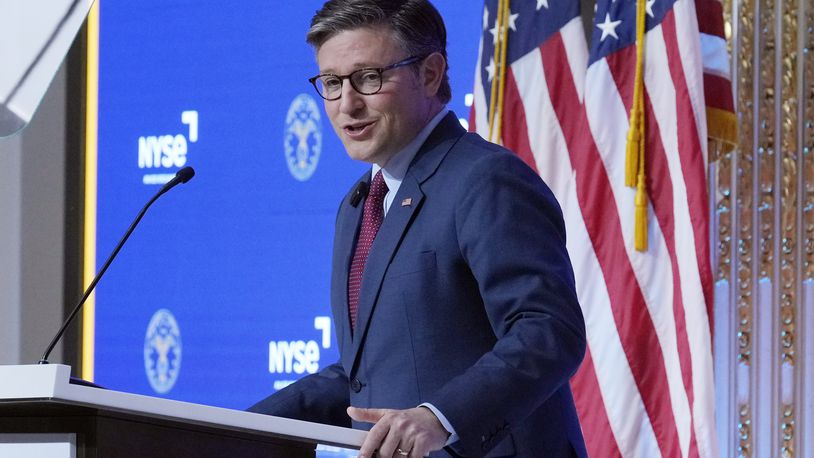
[{"x": 351, "y": 101}]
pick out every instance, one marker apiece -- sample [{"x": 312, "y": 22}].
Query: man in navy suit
[{"x": 452, "y": 293}]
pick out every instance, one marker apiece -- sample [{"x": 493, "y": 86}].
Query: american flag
[
  {"x": 645, "y": 388},
  {"x": 722, "y": 123}
]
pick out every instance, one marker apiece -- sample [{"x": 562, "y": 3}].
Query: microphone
[
  {"x": 361, "y": 191},
  {"x": 182, "y": 176}
]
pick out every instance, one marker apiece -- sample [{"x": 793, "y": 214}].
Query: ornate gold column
[{"x": 764, "y": 235}]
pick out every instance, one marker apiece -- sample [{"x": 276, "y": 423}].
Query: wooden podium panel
[{"x": 40, "y": 399}]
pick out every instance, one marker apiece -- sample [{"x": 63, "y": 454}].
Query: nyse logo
[
  {"x": 160, "y": 152},
  {"x": 299, "y": 356},
  {"x": 293, "y": 357}
]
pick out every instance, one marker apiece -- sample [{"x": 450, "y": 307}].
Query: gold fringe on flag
[
  {"x": 499, "y": 80},
  {"x": 722, "y": 132},
  {"x": 634, "y": 160}
]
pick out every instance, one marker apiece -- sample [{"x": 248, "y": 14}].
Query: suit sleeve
[
  {"x": 321, "y": 397},
  {"x": 511, "y": 233}
]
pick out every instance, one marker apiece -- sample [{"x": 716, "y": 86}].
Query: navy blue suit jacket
[{"x": 467, "y": 302}]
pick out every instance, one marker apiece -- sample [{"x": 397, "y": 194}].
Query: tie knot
[{"x": 378, "y": 188}]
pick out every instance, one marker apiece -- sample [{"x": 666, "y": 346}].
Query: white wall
[{"x": 32, "y": 187}]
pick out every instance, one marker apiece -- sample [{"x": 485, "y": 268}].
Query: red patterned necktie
[{"x": 372, "y": 217}]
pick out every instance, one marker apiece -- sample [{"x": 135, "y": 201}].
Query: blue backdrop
[{"x": 221, "y": 295}]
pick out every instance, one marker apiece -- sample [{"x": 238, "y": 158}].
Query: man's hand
[{"x": 416, "y": 432}]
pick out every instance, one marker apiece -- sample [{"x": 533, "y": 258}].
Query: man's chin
[{"x": 361, "y": 154}]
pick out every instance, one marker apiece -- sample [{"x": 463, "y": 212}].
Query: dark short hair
[{"x": 416, "y": 24}]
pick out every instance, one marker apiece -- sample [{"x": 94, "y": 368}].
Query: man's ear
[{"x": 433, "y": 69}]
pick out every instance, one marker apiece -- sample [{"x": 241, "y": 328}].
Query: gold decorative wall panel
[
  {"x": 764, "y": 234},
  {"x": 807, "y": 126}
]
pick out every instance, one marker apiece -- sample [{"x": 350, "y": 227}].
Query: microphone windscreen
[{"x": 185, "y": 174}]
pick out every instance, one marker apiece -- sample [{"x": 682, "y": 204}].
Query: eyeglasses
[{"x": 366, "y": 81}]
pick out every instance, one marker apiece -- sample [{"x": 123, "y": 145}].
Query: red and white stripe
[
  {"x": 715, "y": 58},
  {"x": 649, "y": 360}
]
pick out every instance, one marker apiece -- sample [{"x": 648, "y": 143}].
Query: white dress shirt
[{"x": 395, "y": 169}]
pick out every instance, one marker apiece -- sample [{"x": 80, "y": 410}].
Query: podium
[{"x": 43, "y": 414}]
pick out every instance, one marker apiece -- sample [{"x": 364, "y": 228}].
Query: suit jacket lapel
[
  {"x": 347, "y": 225},
  {"x": 384, "y": 247},
  {"x": 398, "y": 220}
]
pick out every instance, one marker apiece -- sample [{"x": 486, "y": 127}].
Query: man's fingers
[
  {"x": 366, "y": 415},
  {"x": 374, "y": 438},
  {"x": 415, "y": 431},
  {"x": 389, "y": 444}
]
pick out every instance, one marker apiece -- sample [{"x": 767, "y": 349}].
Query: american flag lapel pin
[{"x": 407, "y": 202}]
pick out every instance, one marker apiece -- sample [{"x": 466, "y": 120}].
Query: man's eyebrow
[{"x": 357, "y": 66}]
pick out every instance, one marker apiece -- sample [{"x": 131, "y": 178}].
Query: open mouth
[{"x": 357, "y": 130}]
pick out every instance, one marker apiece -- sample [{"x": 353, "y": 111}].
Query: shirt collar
[{"x": 397, "y": 166}]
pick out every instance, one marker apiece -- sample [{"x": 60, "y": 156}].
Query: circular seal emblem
[
  {"x": 162, "y": 351},
  {"x": 302, "y": 141}
]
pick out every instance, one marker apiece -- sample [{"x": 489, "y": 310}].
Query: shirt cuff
[{"x": 453, "y": 436}]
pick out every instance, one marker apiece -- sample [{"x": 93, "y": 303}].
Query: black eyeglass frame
[{"x": 408, "y": 61}]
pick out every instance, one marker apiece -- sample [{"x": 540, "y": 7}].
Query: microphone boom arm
[{"x": 182, "y": 176}]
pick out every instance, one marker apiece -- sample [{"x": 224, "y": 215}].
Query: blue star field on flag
[
  {"x": 615, "y": 24},
  {"x": 530, "y": 24}
]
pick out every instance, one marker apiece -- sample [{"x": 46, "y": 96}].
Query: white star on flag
[
  {"x": 512, "y": 19},
  {"x": 608, "y": 28},
  {"x": 490, "y": 69},
  {"x": 541, "y": 3},
  {"x": 495, "y": 31},
  {"x": 649, "y": 7}
]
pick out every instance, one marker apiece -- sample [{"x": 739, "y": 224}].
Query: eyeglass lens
[{"x": 365, "y": 81}]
